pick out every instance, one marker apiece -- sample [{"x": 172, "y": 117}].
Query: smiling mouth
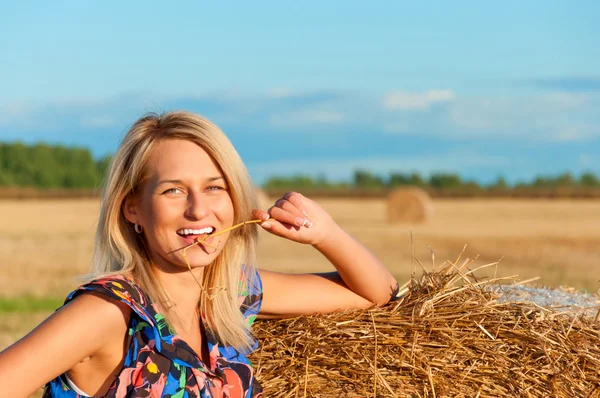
[{"x": 188, "y": 233}]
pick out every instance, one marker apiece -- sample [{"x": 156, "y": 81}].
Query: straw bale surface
[
  {"x": 448, "y": 335},
  {"x": 409, "y": 204}
]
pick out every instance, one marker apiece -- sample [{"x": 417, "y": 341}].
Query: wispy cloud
[
  {"x": 411, "y": 101},
  {"x": 568, "y": 83},
  {"x": 580, "y": 132},
  {"x": 306, "y": 117},
  {"x": 336, "y": 116}
]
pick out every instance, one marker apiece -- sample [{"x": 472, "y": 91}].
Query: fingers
[
  {"x": 297, "y": 200},
  {"x": 290, "y": 210},
  {"x": 258, "y": 214},
  {"x": 280, "y": 229},
  {"x": 285, "y": 216}
]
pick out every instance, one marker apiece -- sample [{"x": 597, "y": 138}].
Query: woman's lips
[{"x": 189, "y": 239}]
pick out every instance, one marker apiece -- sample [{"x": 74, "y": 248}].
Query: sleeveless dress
[{"x": 160, "y": 364}]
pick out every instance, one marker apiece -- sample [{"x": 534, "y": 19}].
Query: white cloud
[
  {"x": 478, "y": 113},
  {"x": 402, "y": 100},
  {"x": 575, "y": 132},
  {"x": 280, "y": 92},
  {"x": 98, "y": 121},
  {"x": 567, "y": 100},
  {"x": 568, "y": 134},
  {"x": 546, "y": 116},
  {"x": 306, "y": 117}
]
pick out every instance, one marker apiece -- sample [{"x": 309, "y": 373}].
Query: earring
[{"x": 137, "y": 228}]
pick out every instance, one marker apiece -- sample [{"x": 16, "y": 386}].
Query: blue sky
[{"x": 321, "y": 88}]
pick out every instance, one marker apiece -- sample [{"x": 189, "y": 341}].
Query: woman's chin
[{"x": 198, "y": 259}]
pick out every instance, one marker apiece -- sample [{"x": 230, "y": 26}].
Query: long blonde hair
[{"x": 119, "y": 250}]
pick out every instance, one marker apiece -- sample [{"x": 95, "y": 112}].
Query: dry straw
[
  {"x": 409, "y": 205},
  {"x": 447, "y": 336}
]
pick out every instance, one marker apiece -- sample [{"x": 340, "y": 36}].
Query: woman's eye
[
  {"x": 215, "y": 188},
  {"x": 173, "y": 191}
]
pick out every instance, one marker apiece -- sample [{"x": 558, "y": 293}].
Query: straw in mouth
[{"x": 201, "y": 240}]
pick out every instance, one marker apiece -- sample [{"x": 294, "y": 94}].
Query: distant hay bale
[
  {"x": 263, "y": 200},
  {"x": 447, "y": 336},
  {"x": 409, "y": 205}
]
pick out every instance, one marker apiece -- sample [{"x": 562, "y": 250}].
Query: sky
[{"x": 317, "y": 88}]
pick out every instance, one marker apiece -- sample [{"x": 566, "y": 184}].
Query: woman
[{"x": 173, "y": 288}]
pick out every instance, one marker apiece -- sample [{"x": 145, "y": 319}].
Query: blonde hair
[{"x": 119, "y": 250}]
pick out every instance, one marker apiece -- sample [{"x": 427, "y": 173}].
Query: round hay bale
[
  {"x": 409, "y": 205},
  {"x": 262, "y": 199},
  {"x": 445, "y": 337}
]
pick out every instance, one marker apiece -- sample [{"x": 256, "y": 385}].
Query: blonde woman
[{"x": 173, "y": 289}]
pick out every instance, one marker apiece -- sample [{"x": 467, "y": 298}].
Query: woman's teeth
[{"x": 207, "y": 230}]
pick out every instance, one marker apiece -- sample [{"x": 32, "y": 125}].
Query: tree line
[
  {"x": 49, "y": 166},
  {"x": 442, "y": 184},
  {"x": 58, "y": 167}
]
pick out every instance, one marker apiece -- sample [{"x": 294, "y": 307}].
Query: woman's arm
[
  {"x": 78, "y": 330},
  {"x": 361, "y": 279}
]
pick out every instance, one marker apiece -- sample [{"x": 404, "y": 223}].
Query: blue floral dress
[{"x": 160, "y": 364}]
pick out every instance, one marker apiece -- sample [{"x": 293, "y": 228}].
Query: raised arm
[
  {"x": 80, "y": 329},
  {"x": 361, "y": 279}
]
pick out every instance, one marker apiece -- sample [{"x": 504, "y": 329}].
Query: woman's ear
[{"x": 130, "y": 209}]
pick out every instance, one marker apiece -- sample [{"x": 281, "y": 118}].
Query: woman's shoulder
[
  {"x": 106, "y": 297},
  {"x": 84, "y": 327},
  {"x": 115, "y": 290},
  {"x": 115, "y": 286},
  {"x": 114, "y": 314}
]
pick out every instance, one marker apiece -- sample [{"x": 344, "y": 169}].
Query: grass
[{"x": 29, "y": 304}]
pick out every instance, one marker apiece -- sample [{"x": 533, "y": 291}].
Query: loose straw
[{"x": 447, "y": 336}]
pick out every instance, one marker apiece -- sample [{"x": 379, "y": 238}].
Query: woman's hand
[
  {"x": 297, "y": 218},
  {"x": 360, "y": 279}
]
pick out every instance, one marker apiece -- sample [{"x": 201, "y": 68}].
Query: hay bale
[
  {"x": 447, "y": 336},
  {"x": 263, "y": 200},
  {"x": 409, "y": 205}
]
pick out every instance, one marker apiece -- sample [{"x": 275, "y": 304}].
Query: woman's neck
[{"x": 183, "y": 290}]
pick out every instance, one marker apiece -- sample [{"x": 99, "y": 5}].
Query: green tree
[
  {"x": 102, "y": 166},
  {"x": 445, "y": 181},
  {"x": 20, "y": 165},
  {"x": 5, "y": 178},
  {"x": 588, "y": 179},
  {"x": 364, "y": 179},
  {"x": 46, "y": 173},
  {"x": 399, "y": 179},
  {"x": 564, "y": 180},
  {"x": 289, "y": 183},
  {"x": 80, "y": 169},
  {"x": 417, "y": 180},
  {"x": 500, "y": 183}
]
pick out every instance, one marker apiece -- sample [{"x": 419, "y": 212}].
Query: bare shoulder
[
  {"x": 110, "y": 311},
  {"x": 80, "y": 329}
]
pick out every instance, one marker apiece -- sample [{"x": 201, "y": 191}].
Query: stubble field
[{"x": 44, "y": 245}]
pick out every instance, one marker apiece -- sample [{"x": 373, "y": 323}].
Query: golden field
[{"x": 44, "y": 245}]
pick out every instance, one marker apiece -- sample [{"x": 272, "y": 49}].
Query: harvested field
[{"x": 44, "y": 245}]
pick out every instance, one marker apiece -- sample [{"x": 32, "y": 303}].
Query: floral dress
[{"x": 160, "y": 364}]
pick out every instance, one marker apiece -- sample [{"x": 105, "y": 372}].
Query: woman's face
[{"x": 185, "y": 198}]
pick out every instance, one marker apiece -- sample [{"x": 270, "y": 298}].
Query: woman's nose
[{"x": 197, "y": 206}]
